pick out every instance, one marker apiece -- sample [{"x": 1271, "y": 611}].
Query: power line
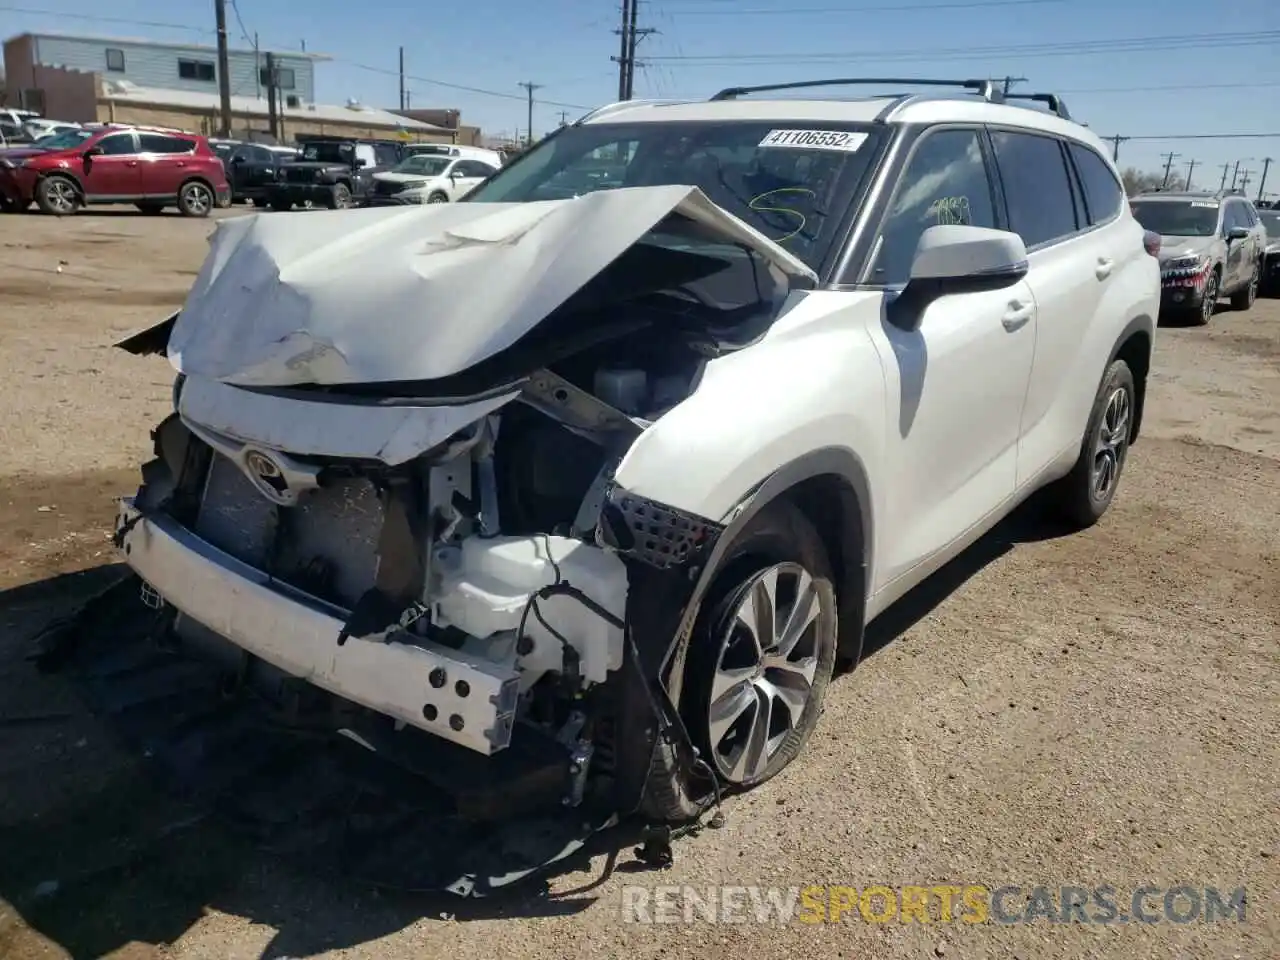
[
  {"x": 877, "y": 8},
  {"x": 1176, "y": 86},
  {"x": 1205, "y": 136},
  {"x": 1073, "y": 48},
  {"x": 457, "y": 86},
  {"x": 128, "y": 21}
]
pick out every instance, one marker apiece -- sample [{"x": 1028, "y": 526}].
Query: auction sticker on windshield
[{"x": 815, "y": 140}]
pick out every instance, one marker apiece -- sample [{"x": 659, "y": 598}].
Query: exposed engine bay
[{"x": 448, "y": 563}]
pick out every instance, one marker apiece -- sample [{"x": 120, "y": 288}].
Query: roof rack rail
[
  {"x": 987, "y": 89},
  {"x": 1052, "y": 100}
]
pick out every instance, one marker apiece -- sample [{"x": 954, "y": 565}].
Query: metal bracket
[{"x": 555, "y": 396}]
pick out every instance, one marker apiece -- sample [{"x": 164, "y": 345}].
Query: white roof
[
  {"x": 928, "y": 108},
  {"x": 125, "y": 92},
  {"x": 656, "y": 111}
]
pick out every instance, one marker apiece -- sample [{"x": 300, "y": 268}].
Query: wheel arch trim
[
  {"x": 856, "y": 547},
  {"x": 1145, "y": 326}
]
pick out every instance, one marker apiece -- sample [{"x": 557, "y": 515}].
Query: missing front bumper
[{"x": 466, "y": 700}]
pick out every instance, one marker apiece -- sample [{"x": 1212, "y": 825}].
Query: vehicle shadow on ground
[{"x": 96, "y": 856}]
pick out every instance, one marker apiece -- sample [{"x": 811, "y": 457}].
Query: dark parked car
[
  {"x": 1270, "y": 218},
  {"x": 332, "y": 172},
  {"x": 146, "y": 166},
  {"x": 251, "y": 169}
]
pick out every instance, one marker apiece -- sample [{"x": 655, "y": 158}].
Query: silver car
[{"x": 1211, "y": 245}]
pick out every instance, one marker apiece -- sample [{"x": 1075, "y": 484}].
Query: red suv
[{"x": 148, "y": 167}]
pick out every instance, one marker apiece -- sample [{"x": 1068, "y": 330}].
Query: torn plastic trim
[{"x": 150, "y": 340}]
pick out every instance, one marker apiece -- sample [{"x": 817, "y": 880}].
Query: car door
[
  {"x": 109, "y": 169},
  {"x": 1069, "y": 269},
  {"x": 956, "y": 380},
  {"x": 465, "y": 176},
  {"x": 254, "y": 169},
  {"x": 164, "y": 162},
  {"x": 1237, "y": 265}
]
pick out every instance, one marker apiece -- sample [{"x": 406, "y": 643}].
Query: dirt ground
[{"x": 1050, "y": 710}]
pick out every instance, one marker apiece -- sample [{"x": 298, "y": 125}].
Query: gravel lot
[{"x": 1092, "y": 709}]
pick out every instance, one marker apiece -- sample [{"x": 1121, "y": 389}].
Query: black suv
[
  {"x": 333, "y": 172},
  {"x": 251, "y": 168}
]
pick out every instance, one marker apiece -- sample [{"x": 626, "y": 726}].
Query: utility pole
[
  {"x": 634, "y": 36},
  {"x": 1115, "y": 147},
  {"x": 531, "y": 87},
  {"x": 1010, "y": 81},
  {"x": 257, "y": 66},
  {"x": 1223, "y": 185},
  {"x": 624, "y": 49},
  {"x": 1168, "y": 165},
  {"x": 1244, "y": 179},
  {"x": 224, "y": 70},
  {"x": 1262, "y": 181},
  {"x": 1235, "y": 173},
  {"x": 564, "y": 118},
  {"x": 402, "y": 78},
  {"x": 1191, "y": 168},
  {"x": 273, "y": 104}
]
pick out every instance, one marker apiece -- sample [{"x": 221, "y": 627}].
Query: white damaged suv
[{"x": 610, "y": 464}]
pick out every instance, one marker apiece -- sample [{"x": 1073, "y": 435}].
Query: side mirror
[
  {"x": 952, "y": 259},
  {"x": 93, "y": 152},
  {"x": 361, "y": 162},
  {"x": 1237, "y": 233}
]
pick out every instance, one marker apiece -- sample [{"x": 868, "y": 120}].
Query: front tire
[
  {"x": 1243, "y": 299},
  {"x": 1084, "y": 494},
  {"x": 760, "y": 657},
  {"x": 57, "y": 196},
  {"x": 1208, "y": 302},
  {"x": 437, "y": 198},
  {"x": 340, "y": 198}
]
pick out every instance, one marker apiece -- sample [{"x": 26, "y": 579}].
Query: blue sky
[{"x": 1106, "y": 56}]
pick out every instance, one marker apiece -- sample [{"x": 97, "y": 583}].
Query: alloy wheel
[
  {"x": 1111, "y": 444},
  {"x": 61, "y": 194},
  {"x": 199, "y": 200},
  {"x": 1210, "y": 299},
  {"x": 765, "y": 669}
]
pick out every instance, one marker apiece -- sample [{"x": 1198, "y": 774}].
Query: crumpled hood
[{"x": 380, "y": 295}]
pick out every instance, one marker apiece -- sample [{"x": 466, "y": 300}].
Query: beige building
[
  {"x": 450, "y": 119},
  {"x": 86, "y": 79}
]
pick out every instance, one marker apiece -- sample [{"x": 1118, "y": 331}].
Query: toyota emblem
[{"x": 267, "y": 476}]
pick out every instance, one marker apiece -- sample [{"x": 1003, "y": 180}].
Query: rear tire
[
  {"x": 1084, "y": 495},
  {"x": 58, "y": 196},
  {"x": 196, "y": 199},
  {"x": 281, "y": 206},
  {"x": 259, "y": 203},
  {"x": 1243, "y": 299},
  {"x": 779, "y": 546}
]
